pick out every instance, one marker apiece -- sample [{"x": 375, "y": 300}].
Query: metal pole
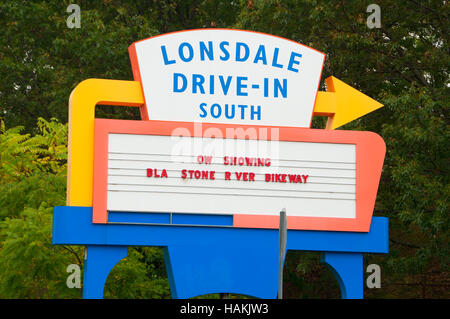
[{"x": 282, "y": 249}]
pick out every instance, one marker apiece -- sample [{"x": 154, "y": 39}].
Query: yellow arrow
[{"x": 342, "y": 103}]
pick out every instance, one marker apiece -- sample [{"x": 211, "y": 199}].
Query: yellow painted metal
[
  {"x": 82, "y": 102},
  {"x": 342, "y": 103},
  {"x": 325, "y": 104}
]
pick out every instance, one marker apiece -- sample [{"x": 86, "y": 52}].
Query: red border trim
[
  {"x": 137, "y": 77},
  {"x": 227, "y": 29},
  {"x": 370, "y": 152}
]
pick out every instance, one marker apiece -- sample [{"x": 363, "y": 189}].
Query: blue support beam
[
  {"x": 100, "y": 260},
  {"x": 213, "y": 258},
  {"x": 348, "y": 270}
]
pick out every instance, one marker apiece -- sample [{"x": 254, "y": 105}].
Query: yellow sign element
[
  {"x": 342, "y": 103},
  {"x": 82, "y": 102}
]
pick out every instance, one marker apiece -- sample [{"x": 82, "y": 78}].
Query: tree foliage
[
  {"x": 33, "y": 181},
  {"x": 32, "y": 170},
  {"x": 403, "y": 64}
]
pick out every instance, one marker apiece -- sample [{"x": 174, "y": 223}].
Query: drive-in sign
[
  {"x": 226, "y": 133},
  {"x": 227, "y": 76}
]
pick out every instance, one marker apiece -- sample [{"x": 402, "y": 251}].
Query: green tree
[
  {"x": 404, "y": 65},
  {"x": 42, "y": 60},
  {"x": 32, "y": 170},
  {"x": 32, "y": 182}
]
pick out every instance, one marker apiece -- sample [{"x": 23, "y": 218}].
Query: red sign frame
[{"x": 370, "y": 153}]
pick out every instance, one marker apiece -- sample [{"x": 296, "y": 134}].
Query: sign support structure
[
  {"x": 282, "y": 251},
  {"x": 116, "y": 193},
  {"x": 223, "y": 264}
]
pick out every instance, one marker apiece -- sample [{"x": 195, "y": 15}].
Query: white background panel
[
  {"x": 165, "y": 104},
  {"x": 219, "y": 182},
  {"x": 328, "y": 192},
  {"x": 213, "y": 204},
  {"x": 180, "y": 148},
  {"x": 315, "y": 180},
  {"x": 324, "y": 172}
]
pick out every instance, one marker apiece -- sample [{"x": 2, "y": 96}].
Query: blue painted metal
[
  {"x": 139, "y": 218},
  {"x": 200, "y": 270},
  {"x": 213, "y": 259},
  {"x": 167, "y": 218},
  {"x": 348, "y": 270},
  {"x": 199, "y": 219},
  {"x": 98, "y": 263}
]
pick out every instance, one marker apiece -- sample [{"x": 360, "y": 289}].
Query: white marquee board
[{"x": 326, "y": 187}]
